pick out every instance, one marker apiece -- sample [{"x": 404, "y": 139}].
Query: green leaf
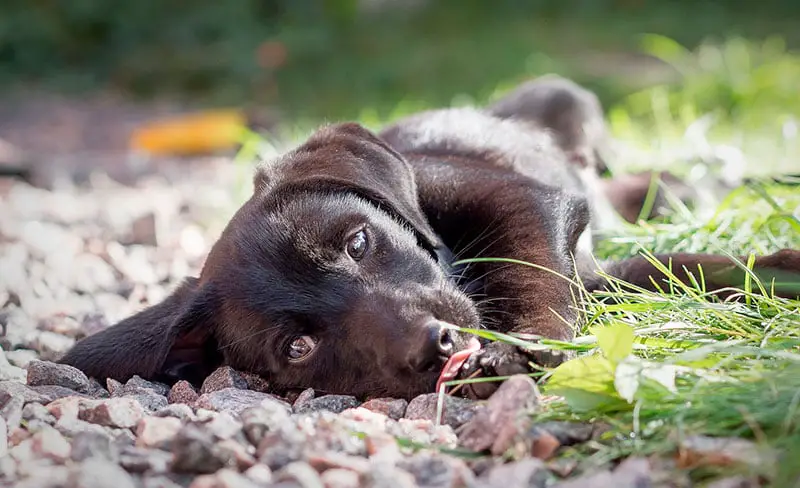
[
  {"x": 663, "y": 48},
  {"x": 616, "y": 341},
  {"x": 588, "y": 401},
  {"x": 590, "y": 373}
]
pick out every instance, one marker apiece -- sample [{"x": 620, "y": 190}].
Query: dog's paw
[
  {"x": 500, "y": 359},
  {"x": 785, "y": 259}
]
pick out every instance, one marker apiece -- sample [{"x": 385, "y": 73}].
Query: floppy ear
[
  {"x": 166, "y": 342},
  {"x": 349, "y": 158}
]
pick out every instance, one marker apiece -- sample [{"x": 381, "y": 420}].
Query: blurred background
[{"x": 82, "y": 75}]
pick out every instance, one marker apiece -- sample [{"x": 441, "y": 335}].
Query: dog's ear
[
  {"x": 349, "y": 158},
  {"x": 171, "y": 340}
]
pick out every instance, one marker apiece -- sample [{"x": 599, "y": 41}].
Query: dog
[{"x": 341, "y": 272}]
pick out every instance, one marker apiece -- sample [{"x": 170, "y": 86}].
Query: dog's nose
[{"x": 433, "y": 346}]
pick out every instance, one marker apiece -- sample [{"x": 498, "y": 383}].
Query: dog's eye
[
  {"x": 301, "y": 347},
  {"x": 357, "y": 245}
]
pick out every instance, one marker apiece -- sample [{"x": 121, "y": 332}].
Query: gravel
[{"x": 76, "y": 258}]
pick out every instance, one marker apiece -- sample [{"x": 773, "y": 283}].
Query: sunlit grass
[
  {"x": 728, "y": 368},
  {"x": 734, "y": 365}
]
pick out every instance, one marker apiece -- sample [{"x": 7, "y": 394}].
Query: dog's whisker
[{"x": 487, "y": 231}]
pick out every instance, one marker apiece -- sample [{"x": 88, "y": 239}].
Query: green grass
[
  {"x": 661, "y": 367},
  {"x": 658, "y": 368}
]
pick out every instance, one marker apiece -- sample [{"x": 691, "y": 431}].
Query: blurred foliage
[
  {"x": 331, "y": 58},
  {"x": 748, "y": 84}
]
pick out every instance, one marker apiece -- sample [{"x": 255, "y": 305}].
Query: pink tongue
[{"x": 454, "y": 363}]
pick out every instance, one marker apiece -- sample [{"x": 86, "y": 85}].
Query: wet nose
[{"x": 434, "y": 344}]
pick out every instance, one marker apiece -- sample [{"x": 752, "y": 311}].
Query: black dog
[{"x": 337, "y": 273}]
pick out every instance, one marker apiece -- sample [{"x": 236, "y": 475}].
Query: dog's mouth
[{"x": 454, "y": 363}]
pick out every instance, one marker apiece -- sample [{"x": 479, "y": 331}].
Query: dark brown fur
[{"x": 438, "y": 185}]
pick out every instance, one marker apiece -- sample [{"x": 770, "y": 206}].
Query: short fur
[{"x": 438, "y": 185}]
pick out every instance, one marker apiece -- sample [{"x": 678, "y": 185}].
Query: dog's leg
[
  {"x": 778, "y": 272},
  {"x": 487, "y": 213}
]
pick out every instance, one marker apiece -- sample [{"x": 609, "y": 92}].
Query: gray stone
[
  {"x": 331, "y": 403},
  {"x": 527, "y": 473},
  {"x": 182, "y": 392},
  {"x": 177, "y": 410},
  {"x": 9, "y": 372},
  {"x": 3, "y": 438},
  {"x": 137, "y": 385},
  {"x": 281, "y": 447},
  {"x": 437, "y": 471},
  {"x": 258, "y": 421},
  {"x": 223, "y": 426},
  {"x": 150, "y": 402},
  {"x": 21, "y": 358},
  {"x": 87, "y": 445},
  {"x": 394, "y": 408},
  {"x": 301, "y": 473},
  {"x": 51, "y": 346},
  {"x": 72, "y": 426},
  {"x": 224, "y": 478},
  {"x": 38, "y": 412},
  {"x": 259, "y": 474},
  {"x": 60, "y": 324},
  {"x": 194, "y": 451},
  {"x": 160, "y": 482},
  {"x": 47, "y": 373},
  {"x": 568, "y": 433},
  {"x": 455, "y": 411},
  {"x": 140, "y": 460},
  {"x": 222, "y": 378},
  {"x": 50, "y": 444},
  {"x": 11, "y": 410},
  {"x": 18, "y": 390},
  {"x": 302, "y": 398},
  {"x": 387, "y": 475},
  {"x": 340, "y": 478},
  {"x": 255, "y": 382},
  {"x": 337, "y": 460},
  {"x": 99, "y": 473},
  {"x": 49, "y": 477},
  {"x": 55, "y": 392},
  {"x": 157, "y": 432},
  {"x": 113, "y": 412},
  {"x": 505, "y": 417},
  {"x": 233, "y": 400}
]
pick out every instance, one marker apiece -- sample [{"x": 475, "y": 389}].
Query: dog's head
[{"x": 327, "y": 277}]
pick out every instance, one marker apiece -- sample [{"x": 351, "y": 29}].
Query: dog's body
[{"x": 338, "y": 273}]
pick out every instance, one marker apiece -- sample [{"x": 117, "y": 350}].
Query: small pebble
[
  {"x": 194, "y": 451},
  {"x": 157, "y": 432},
  {"x": 99, "y": 473},
  {"x": 505, "y": 417},
  {"x": 182, "y": 392},
  {"x": 391, "y": 407},
  {"x": 302, "y": 398},
  {"x": 113, "y": 412},
  {"x": 232, "y": 400},
  {"x": 455, "y": 411},
  {"x": 50, "y": 444},
  {"x": 259, "y": 474},
  {"x": 301, "y": 473},
  {"x": 177, "y": 410},
  {"x": 331, "y": 403},
  {"x": 222, "y": 378},
  {"x": 87, "y": 445},
  {"x": 340, "y": 478}
]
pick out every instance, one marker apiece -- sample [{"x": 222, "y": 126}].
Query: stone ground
[{"x": 75, "y": 258}]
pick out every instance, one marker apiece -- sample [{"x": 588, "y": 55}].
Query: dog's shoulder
[{"x": 472, "y": 136}]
